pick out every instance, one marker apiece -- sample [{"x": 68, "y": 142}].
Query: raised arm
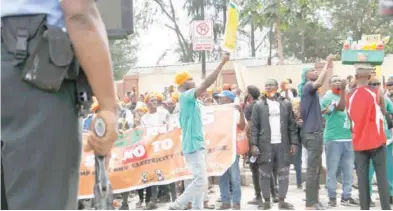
[
  {"x": 322, "y": 79},
  {"x": 210, "y": 79},
  {"x": 341, "y": 104},
  {"x": 242, "y": 120}
]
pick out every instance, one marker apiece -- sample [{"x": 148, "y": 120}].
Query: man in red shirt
[{"x": 366, "y": 108}]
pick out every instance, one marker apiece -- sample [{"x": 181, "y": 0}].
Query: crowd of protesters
[{"x": 344, "y": 130}]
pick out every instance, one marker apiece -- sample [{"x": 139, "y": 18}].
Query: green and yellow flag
[{"x": 230, "y": 35}]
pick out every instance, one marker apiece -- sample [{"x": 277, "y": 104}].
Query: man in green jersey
[
  {"x": 193, "y": 141},
  {"x": 337, "y": 138}
]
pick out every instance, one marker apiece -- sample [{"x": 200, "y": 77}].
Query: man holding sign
[{"x": 193, "y": 142}]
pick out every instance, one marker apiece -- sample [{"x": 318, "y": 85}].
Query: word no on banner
[{"x": 202, "y": 35}]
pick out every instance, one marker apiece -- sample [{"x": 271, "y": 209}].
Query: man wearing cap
[
  {"x": 274, "y": 135},
  {"x": 232, "y": 174},
  {"x": 310, "y": 112},
  {"x": 193, "y": 141},
  {"x": 366, "y": 109}
]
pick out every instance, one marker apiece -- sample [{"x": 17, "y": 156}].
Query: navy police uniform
[{"x": 40, "y": 132}]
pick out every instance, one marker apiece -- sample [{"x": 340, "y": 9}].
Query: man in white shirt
[
  {"x": 273, "y": 140},
  {"x": 155, "y": 121},
  {"x": 232, "y": 175}
]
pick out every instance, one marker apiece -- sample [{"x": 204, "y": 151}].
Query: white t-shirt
[
  {"x": 275, "y": 121},
  {"x": 155, "y": 123},
  {"x": 156, "y": 119}
]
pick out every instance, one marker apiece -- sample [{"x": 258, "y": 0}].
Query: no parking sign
[{"x": 202, "y": 35}]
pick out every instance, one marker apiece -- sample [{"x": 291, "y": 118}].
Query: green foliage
[
  {"x": 124, "y": 56},
  {"x": 312, "y": 29}
]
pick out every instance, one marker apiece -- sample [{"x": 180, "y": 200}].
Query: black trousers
[
  {"x": 362, "y": 159},
  {"x": 148, "y": 194},
  {"x": 255, "y": 180},
  {"x": 4, "y": 205},
  {"x": 313, "y": 142},
  {"x": 169, "y": 190}
]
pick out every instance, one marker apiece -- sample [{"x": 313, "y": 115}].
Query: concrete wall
[{"x": 256, "y": 73}]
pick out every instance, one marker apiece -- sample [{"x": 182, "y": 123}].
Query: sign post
[
  {"x": 202, "y": 35},
  {"x": 202, "y": 39}
]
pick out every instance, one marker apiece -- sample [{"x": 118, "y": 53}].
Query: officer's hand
[
  {"x": 254, "y": 150},
  {"x": 103, "y": 145},
  {"x": 293, "y": 149}
]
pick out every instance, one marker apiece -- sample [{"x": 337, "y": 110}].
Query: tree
[
  {"x": 357, "y": 18},
  {"x": 124, "y": 56},
  {"x": 124, "y": 51},
  {"x": 306, "y": 38},
  {"x": 185, "y": 46},
  {"x": 251, "y": 16}
]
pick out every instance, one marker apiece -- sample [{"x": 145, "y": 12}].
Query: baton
[{"x": 103, "y": 196}]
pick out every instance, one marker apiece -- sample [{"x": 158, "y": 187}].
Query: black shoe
[
  {"x": 300, "y": 186},
  {"x": 81, "y": 206},
  {"x": 285, "y": 206},
  {"x": 332, "y": 202},
  {"x": 372, "y": 204},
  {"x": 265, "y": 206},
  {"x": 275, "y": 198},
  {"x": 349, "y": 202},
  {"x": 124, "y": 206},
  {"x": 256, "y": 201}
]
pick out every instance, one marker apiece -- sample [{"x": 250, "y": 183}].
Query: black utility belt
[{"x": 45, "y": 52}]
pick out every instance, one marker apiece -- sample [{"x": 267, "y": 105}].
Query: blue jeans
[
  {"x": 196, "y": 163},
  {"x": 298, "y": 165},
  {"x": 232, "y": 175},
  {"x": 339, "y": 156}
]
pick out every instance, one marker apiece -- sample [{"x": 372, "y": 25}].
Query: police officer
[{"x": 41, "y": 142}]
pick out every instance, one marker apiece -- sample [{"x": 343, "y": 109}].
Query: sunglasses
[{"x": 374, "y": 84}]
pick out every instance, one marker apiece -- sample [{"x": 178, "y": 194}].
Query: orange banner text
[{"x": 153, "y": 156}]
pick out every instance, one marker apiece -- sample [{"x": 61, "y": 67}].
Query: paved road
[{"x": 295, "y": 197}]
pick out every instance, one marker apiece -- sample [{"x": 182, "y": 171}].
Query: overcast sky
[{"x": 158, "y": 38}]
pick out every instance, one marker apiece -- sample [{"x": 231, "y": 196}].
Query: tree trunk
[
  {"x": 224, "y": 15},
  {"x": 252, "y": 37},
  {"x": 279, "y": 41},
  {"x": 303, "y": 48},
  {"x": 269, "y": 59}
]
